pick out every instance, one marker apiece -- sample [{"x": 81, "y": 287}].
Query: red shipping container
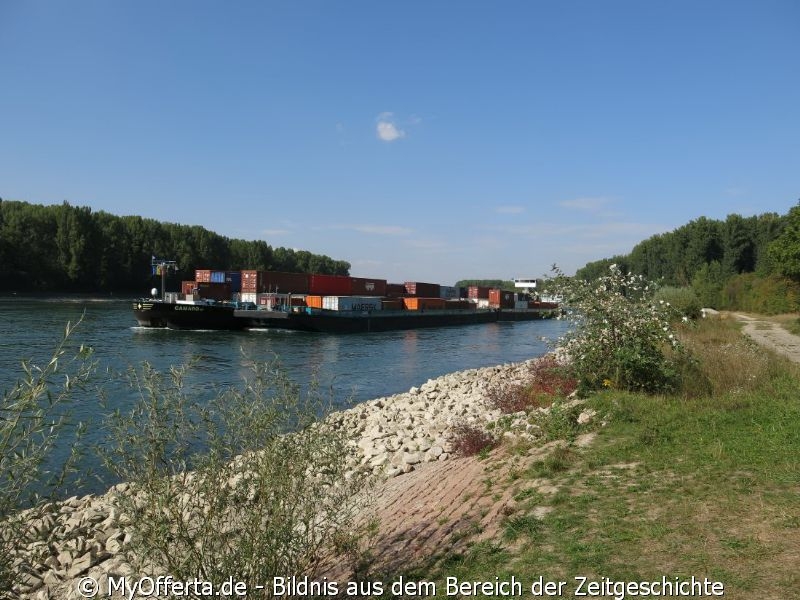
[
  {"x": 362, "y": 286},
  {"x": 423, "y": 290},
  {"x": 395, "y": 290},
  {"x": 188, "y": 287},
  {"x": 501, "y": 298},
  {"x": 260, "y": 282},
  {"x": 329, "y": 285},
  {"x": 475, "y": 291},
  {"x": 202, "y": 275}
]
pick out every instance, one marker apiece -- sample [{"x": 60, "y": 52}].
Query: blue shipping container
[
  {"x": 217, "y": 276},
  {"x": 235, "y": 279}
]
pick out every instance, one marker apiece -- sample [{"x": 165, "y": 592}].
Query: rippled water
[{"x": 355, "y": 367}]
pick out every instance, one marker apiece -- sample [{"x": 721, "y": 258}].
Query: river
[{"x": 354, "y": 367}]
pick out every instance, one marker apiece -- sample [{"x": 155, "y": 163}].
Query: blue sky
[{"x": 418, "y": 140}]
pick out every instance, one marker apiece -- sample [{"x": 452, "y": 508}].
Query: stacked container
[
  {"x": 448, "y": 292},
  {"x": 416, "y": 303},
  {"x": 422, "y": 290},
  {"x": 329, "y": 285},
  {"x": 475, "y": 291},
  {"x": 351, "y": 303},
  {"x": 501, "y": 299},
  {"x": 361, "y": 286},
  {"x": 270, "y": 281}
]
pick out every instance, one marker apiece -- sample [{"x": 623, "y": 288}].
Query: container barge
[{"x": 328, "y": 304}]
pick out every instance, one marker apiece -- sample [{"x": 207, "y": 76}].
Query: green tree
[{"x": 784, "y": 251}]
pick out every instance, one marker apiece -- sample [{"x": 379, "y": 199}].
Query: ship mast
[{"x": 160, "y": 267}]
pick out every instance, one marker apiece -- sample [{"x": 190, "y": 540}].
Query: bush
[
  {"x": 33, "y": 414},
  {"x": 252, "y": 485},
  {"x": 468, "y": 439},
  {"x": 621, "y": 333},
  {"x": 548, "y": 380},
  {"x": 682, "y": 299}
]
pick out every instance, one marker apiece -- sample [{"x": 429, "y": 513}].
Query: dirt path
[{"x": 771, "y": 335}]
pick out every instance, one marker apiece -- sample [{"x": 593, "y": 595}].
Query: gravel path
[{"x": 772, "y": 336}]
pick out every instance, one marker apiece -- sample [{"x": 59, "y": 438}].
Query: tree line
[
  {"x": 73, "y": 249},
  {"x": 743, "y": 263}
]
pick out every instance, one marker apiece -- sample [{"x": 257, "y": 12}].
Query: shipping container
[
  {"x": 362, "y": 286},
  {"x": 248, "y": 297},
  {"x": 395, "y": 290},
  {"x": 501, "y": 298},
  {"x": 329, "y": 285},
  {"x": 416, "y": 303},
  {"x": 475, "y": 291},
  {"x": 422, "y": 290},
  {"x": 448, "y": 292},
  {"x": 392, "y": 304},
  {"x": 274, "y": 281},
  {"x": 521, "y": 304},
  {"x": 351, "y": 303},
  {"x": 480, "y": 302},
  {"x": 214, "y": 291},
  {"x": 314, "y": 301},
  {"x": 188, "y": 287},
  {"x": 202, "y": 275}
]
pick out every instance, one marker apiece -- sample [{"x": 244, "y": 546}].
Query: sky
[{"x": 419, "y": 140}]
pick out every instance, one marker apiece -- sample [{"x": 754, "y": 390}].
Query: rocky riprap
[{"x": 81, "y": 537}]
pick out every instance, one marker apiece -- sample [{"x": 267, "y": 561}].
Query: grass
[{"x": 695, "y": 484}]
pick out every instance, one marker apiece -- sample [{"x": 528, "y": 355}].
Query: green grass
[{"x": 687, "y": 485}]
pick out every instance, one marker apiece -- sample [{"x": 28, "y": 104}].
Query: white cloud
[{"x": 386, "y": 128}]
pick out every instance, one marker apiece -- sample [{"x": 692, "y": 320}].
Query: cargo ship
[{"x": 219, "y": 300}]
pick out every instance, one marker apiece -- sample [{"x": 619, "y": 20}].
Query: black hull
[
  {"x": 331, "y": 322},
  {"x": 150, "y": 313}
]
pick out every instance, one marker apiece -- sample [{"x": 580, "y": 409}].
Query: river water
[{"x": 354, "y": 367}]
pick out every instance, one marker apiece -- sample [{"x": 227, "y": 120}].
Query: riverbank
[{"x": 393, "y": 435}]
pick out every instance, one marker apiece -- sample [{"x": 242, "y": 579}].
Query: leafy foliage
[
  {"x": 67, "y": 248},
  {"x": 711, "y": 255},
  {"x": 621, "y": 332}
]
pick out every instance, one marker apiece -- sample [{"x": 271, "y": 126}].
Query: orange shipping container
[
  {"x": 188, "y": 287},
  {"x": 202, "y": 275},
  {"x": 416, "y": 303},
  {"x": 314, "y": 301}
]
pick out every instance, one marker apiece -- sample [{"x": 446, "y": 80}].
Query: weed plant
[
  {"x": 250, "y": 486},
  {"x": 33, "y": 414},
  {"x": 469, "y": 439}
]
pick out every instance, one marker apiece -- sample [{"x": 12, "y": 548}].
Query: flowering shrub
[{"x": 622, "y": 337}]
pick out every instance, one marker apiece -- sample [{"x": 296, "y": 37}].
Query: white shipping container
[
  {"x": 248, "y": 297},
  {"x": 351, "y": 303},
  {"x": 481, "y": 302},
  {"x": 448, "y": 292}
]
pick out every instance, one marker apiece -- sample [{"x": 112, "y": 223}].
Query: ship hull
[{"x": 154, "y": 313}]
